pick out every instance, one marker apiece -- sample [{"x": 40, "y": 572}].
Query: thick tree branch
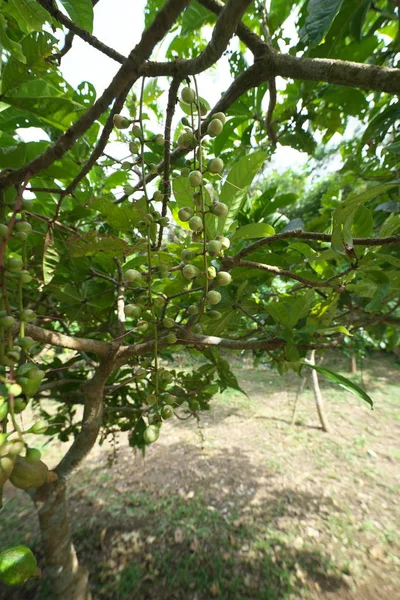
[
  {"x": 54, "y": 338},
  {"x": 284, "y": 273},
  {"x": 126, "y": 76}
]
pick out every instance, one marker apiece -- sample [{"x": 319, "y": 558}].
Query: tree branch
[
  {"x": 126, "y": 76},
  {"x": 285, "y": 273}
]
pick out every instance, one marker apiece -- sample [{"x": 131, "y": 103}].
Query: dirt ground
[{"x": 243, "y": 505}]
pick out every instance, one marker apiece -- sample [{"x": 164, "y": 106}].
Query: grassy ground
[{"x": 244, "y": 506}]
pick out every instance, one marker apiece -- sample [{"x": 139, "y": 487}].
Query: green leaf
[
  {"x": 253, "y": 231},
  {"x": 237, "y": 184},
  {"x": 194, "y": 17},
  {"x": 342, "y": 381},
  {"x": 320, "y": 16},
  {"x": 395, "y": 148},
  {"x": 301, "y": 307},
  {"x": 29, "y": 15},
  {"x": 13, "y": 47},
  {"x": 80, "y": 12},
  {"x": 50, "y": 260},
  {"x": 363, "y": 222},
  {"x": 343, "y": 216}
]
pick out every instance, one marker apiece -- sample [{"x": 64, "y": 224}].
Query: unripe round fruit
[
  {"x": 221, "y": 116},
  {"x": 128, "y": 189},
  {"x": 13, "y": 355},
  {"x": 216, "y": 165},
  {"x": 214, "y": 315},
  {"x": 25, "y": 343},
  {"x": 132, "y": 310},
  {"x": 168, "y": 323},
  {"x": 164, "y": 221},
  {"x": 27, "y": 204},
  {"x": 187, "y": 140},
  {"x": 163, "y": 270},
  {"x": 121, "y": 122},
  {"x": 142, "y": 326},
  {"x": 3, "y": 230},
  {"x": 167, "y": 412},
  {"x": 203, "y": 109},
  {"x": 159, "y": 139},
  {"x": 3, "y": 411},
  {"x": 158, "y": 196},
  {"x": 133, "y": 276},
  {"x": 39, "y": 428},
  {"x": 196, "y": 224},
  {"x": 26, "y": 475},
  {"x": 193, "y": 309},
  {"x": 187, "y": 255},
  {"x": 197, "y": 328},
  {"x": 188, "y": 95},
  {"x": 197, "y": 198},
  {"x": 17, "y": 565},
  {"x": 156, "y": 215},
  {"x": 170, "y": 400},
  {"x": 153, "y": 169},
  {"x": 15, "y": 447},
  {"x": 195, "y": 178},
  {"x": 220, "y": 209},
  {"x": 226, "y": 242},
  {"x": 223, "y": 278},
  {"x": 214, "y": 128},
  {"x": 211, "y": 272},
  {"x": 21, "y": 236},
  {"x": 214, "y": 247},
  {"x": 151, "y": 434},
  {"x": 185, "y": 172},
  {"x": 133, "y": 147},
  {"x": 136, "y": 131},
  {"x": 185, "y": 213},
  {"x": 213, "y": 297},
  {"x": 27, "y": 315},
  {"x": 25, "y": 277},
  {"x": 14, "y": 264},
  {"x": 126, "y": 165},
  {"x": 189, "y": 272},
  {"x": 32, "y": 455},
  {"x": 23, "y": 226},
  {"x": 148, "y": 219},
  {"x": 185, "y": 121},
  {"x": 7, "y": 321},
  {"x": 171, "y": 338},
  {"x": 159, "y": 302},
  {"x": 151, "y": 399}
]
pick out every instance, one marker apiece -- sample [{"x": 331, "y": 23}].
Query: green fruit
[
  {"x": 220, "y": 116},
  {"x": 17, "y": 565},
  {"x": 214, "y": 128},
  {"x": 168, "y": 323},
  {"x": 14, "y": 389},
  {"x": 3, "y": 231},
  {"x": 27, "y": 204},
  {"x": 26, "y": 475},
  {"x": 195, "y": 178},
  {"x": 153, "y": 170},
  {"x": 216, "y": 165},
  {"x": 132, "y": 310},
  {"x": 133, "y": 147},
  {"x": 14, "y": 264},
  {"x": 25, "y": 343},
  {"x": 6, "y": 467},
  {"x": 19, "y": 405},
  {"x": 196, "y": 224},
  {"x": 128, "y": 189},
  {"x": 15, "y": 447},
  {"x": 197, "y": 198},
  {"x": 133, "y": 276},
  {"x": 25, "y": 277},
  {"x": 185, "y": 213},
  {"x": 187, "y": 255},
  {"x": 23, "y": 226},
  {"x": 142, "y": 326},
  {"x": 7, "y": 321},
  {"x": 185, "y": 121},
  {"x": 151, "y": 434},
  {"x": 211, "y": 272},
  {"x": 158, "y": 196},
  {"x": 27, "y": 315},
  {"x": 159, "y": 302},
  {"x": 35, "y": 374},
  {"x": 190, "y": 272},
  {"x": 121, "y": 122},
  {"x": 3, "y": 438},
  {"x": 29, "y": 386},
  {"x": 3, "y": 411},
  {"x": 136, "y": 131},
  {"x": 223, "y": 278},
  {"x": 187, "y": 140},
  {"x": 159, "y": 139},
  {"x": 32, "y": 455},
  {"x": 164, "y": 221},
  {"x": 13, "y": 356},
  {"x": 193, "y": 309},
  {"x": 214, "y": 247},
  {"x": 171, "y": 338},
  {"x": 197, "y": 328},
  {"x": 220, "y": 209},
  {"x": 188, "y": 95},
  {"x": 167, "y": 412},
  {"x": 213, "y": 297},
  {"x": 170, "y": 400},
  {"x": 226, "y": 242},
  {"x": 40, "y": 427},
  {"x": 214, "y": 315},
  {"x": 21, "y": 236},
  {"x": 126, "y": 165}
]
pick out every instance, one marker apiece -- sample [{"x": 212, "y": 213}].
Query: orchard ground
[{"x": 243, "y": 505}]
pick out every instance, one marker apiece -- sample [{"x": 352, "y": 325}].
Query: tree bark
[
  {"x": 353, "y": 364},
  {"x": 298, "y": 394},
  {"x": 318, "y": 395},
  {"x": 67, "y": 578}
]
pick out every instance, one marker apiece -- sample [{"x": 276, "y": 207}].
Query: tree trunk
[
  {"x": 298, "y": 394},
  {"x": 318, "y": 395},
  {"x": 68, "y": 580},
  {"x": 353, "y": 364}
]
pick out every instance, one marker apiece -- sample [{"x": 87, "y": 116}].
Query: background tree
[{"x": 107, "y": 265}]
